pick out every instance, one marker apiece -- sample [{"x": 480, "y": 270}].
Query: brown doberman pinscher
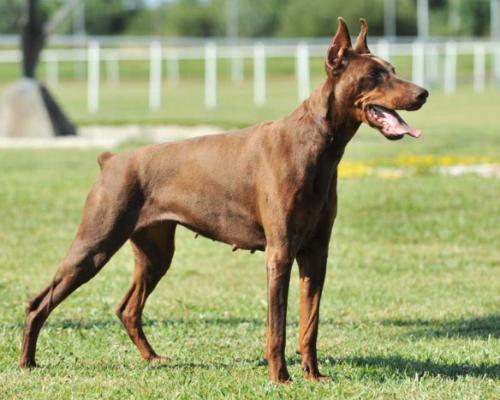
[{"x": 271, "y": 187}]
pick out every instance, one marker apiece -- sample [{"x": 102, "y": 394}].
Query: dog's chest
[{"x": 313, "y": 199}]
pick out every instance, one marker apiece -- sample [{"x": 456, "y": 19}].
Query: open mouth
[{"x": 389, "y": 122}]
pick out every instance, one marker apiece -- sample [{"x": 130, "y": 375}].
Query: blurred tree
[
  {"x": 182, "y": 18},
  {"x": 261, "y": 17},
  {"x": 193, "y": 18},
  {"x": 11, "y": 11},
  {"x": 109, "y": 17},
  {"x": 475, "y": 16},
  {"x": 406, "y": 18},
  {"x": 460, "y": 17},
  {"x": 300, "y": 18},
  {"x": 292, "y": 18},
  {"x": 102, "y": 17}
]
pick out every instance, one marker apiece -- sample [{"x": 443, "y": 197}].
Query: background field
[
  {"x": 126, "y": 101},
  {"x": 411, "y": 305}
]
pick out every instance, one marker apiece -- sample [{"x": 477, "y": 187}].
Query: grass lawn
[{"x": 411, "y": 308}]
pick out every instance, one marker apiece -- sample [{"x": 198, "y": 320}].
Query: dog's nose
[{"x": 422, "y": 96}]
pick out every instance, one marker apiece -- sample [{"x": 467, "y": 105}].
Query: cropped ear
[
  {"x": 361, "y": 46},
  {"x": 338, "y": 48}
]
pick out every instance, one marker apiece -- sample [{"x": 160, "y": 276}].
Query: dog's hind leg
[
  {"x": 103, "y": 230},
  {"x": 153, "y": 249}
]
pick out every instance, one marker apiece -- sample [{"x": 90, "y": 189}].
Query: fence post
[
  {"x": 112, "y": 68},
  {"x": 93, "y": 79},
  {"x": 237, "y": 73},
  {"x": 450, "y": 68},
  {"x": 479, "y": 67},
  {"x": 496, "y": 64},
  {"x": 52, "y": 71},
  {"x": 172, "y": 67},
  {"x": 210, "y": 75},
  {"x": 432, "y": 64},
  {"x": 259, "y": 74},
  {"x": 303, "y": 75},
  {"x": 155, "y": 76},
  {"x": 418, "y": 63}
]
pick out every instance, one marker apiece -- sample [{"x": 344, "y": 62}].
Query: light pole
[
  {"x": 423, "y": 19},
  {"x": 495, "y": 19},
  {"x": 495, "y": 36},
  {"x": 454, "y": 15},
  {"x": 232, "y": 19},
  {"x": 390, "y": 18}
]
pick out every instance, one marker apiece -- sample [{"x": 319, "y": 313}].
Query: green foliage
[
  {"x": 10, "y": 11},
  {"x": 191, "y": 18},
  {"x": 476, "y": 16},
  {"x": 460, "y": 17},
  {"x": 102, "y": 17},
  {"x": 301, "y": 19},
  {"x": 406, "y": 22},
  {"x": 257, "y": 18},
  {"x": 261, "y": 17},
  {"x": 184, "y": 18},
  {"x": 107, "y": 17}
]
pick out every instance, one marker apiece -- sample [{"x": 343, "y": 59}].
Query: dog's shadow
[
  {"x": 483, "y": 327},
  {"x": 374, "y": 367},
  {"x": 382, "y": 367}
]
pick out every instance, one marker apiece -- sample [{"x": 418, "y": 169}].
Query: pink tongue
[{"x": 395, "y": 125}]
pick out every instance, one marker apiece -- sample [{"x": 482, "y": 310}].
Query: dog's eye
[{"x": 376, "y": 73}]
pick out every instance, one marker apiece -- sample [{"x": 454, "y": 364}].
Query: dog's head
[{"x": 367, "y": 86}]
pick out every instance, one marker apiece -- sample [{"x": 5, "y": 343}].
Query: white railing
[{"x": 433, "y": 63}]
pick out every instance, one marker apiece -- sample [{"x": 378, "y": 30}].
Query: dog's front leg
[
  {"x": 279, "y": 264},
  {"x": 312, "y": 267}
]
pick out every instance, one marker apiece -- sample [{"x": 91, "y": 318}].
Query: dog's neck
[
  {"x": 328, "y": 118},
  {"x": 341, "y": 127}
]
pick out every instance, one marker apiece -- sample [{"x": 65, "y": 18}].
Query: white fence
[{"x": 433, "y": 63}]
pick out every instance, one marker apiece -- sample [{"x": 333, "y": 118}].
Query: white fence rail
[{"x": 433, "y": 63}]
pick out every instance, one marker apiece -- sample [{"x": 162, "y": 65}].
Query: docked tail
[{"x": 103, "y": 157}]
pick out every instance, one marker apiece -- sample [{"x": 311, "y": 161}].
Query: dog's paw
[
  {"x": 27, "y": 364},
  {"x": 317, "y": 378},
  {"x": 312, "y": 374},
  {"x": 281, "y": 376},
  {"x": 158, "y": 360},
  {"x": 282, "y": 381}
]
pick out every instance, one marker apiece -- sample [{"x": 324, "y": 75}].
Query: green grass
[
  {"x": 410, "y": 309},
  {"x": 127, "y": 103}
]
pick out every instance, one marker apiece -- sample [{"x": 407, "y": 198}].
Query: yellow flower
[
  {"x": 353, "y": 169},
  {"x": 421, "y": 163}
]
